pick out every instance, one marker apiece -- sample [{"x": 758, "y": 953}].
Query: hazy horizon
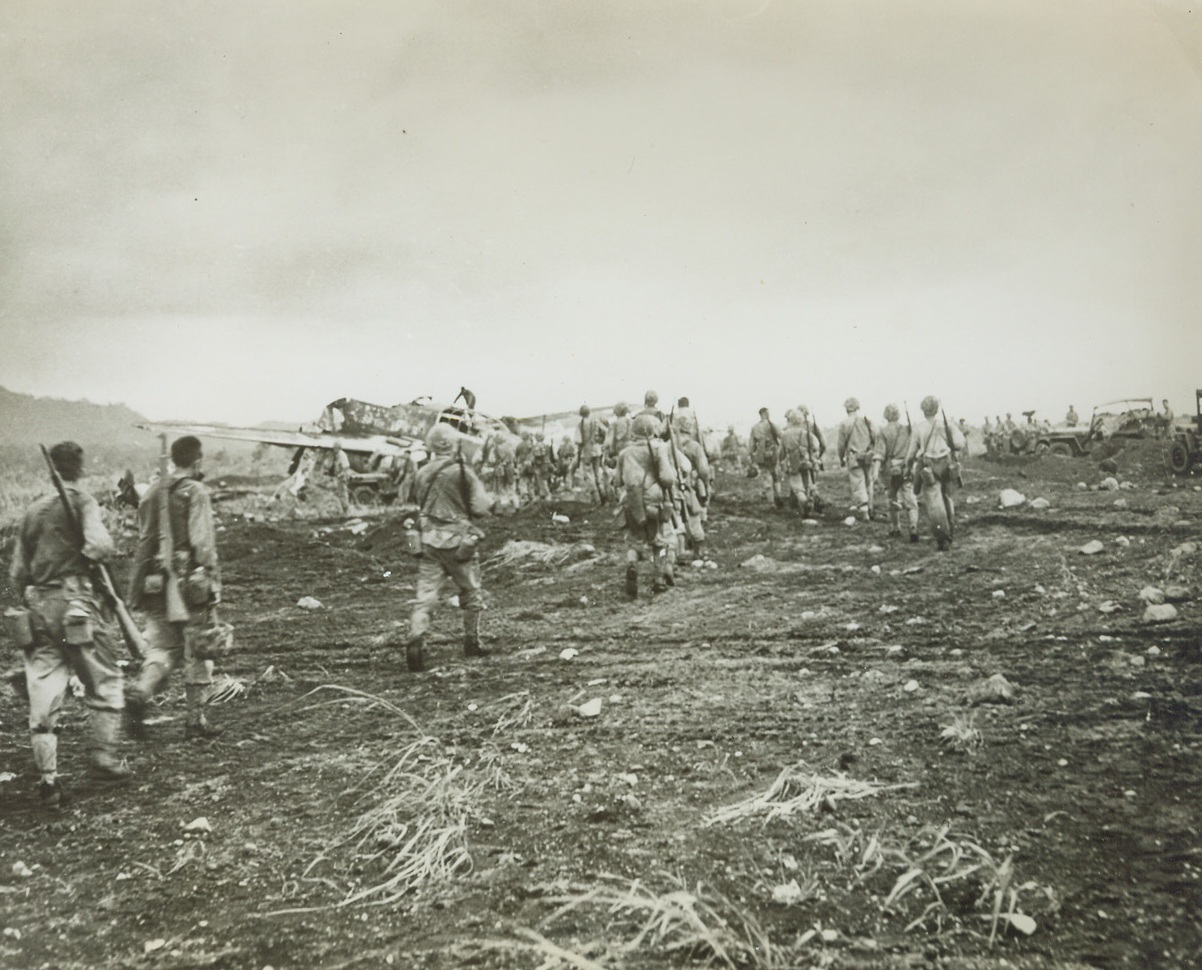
[{"x": 239, "y": 212}]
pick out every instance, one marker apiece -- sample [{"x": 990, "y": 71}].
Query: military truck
[
  {"x": 1125, "y": 418},
  {"x": 1185, "y": 449}
]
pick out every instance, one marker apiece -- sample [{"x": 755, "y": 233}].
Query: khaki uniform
[
  {"x": 646, "y": 473},
  {"x": 592, "y": 434},
  {"x": 855, "y": 443},
  {"x": 799, "y": 449},
  {"x": 448, "y": 495},
  {"x": 764, "y": 446},
  {"x": 72, "y": 631},
  {"x": 892, "y": 444},
  {"x": 930, "y": 456},
  {"x": 169, "y": 643}
]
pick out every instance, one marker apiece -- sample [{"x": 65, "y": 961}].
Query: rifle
[
  {"x": 100, "y": 574},
  {"x": 173, "y": 597},
  {"x": 955, "y": 469}
]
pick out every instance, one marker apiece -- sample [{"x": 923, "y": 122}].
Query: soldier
[
  {"x": 651, "y": 409},
  {"x": 523, "y": 454},
  {"x": 1071, "y": 418},
  {"x": 592, "y": 446},
  {"x": 339, "y": 469},
  {"x": 855, "y": 452},
  {"x": 1166, "y": 419},
  {"x": 698, "y": 477},
  {"x": 500, "y": 451},
  {"x": 799, "y": 454},
  {"x": 764, "y": 446},
  {"x": 170, "y": 643},
  {"x": 731, "y": 450},
  {"x": 933, "y": 462},
  {"x": 684, "y": 422},
  {"x": 540, "y": 466},
  {"x": 892, "y": 444},
  {"x": 617, "y": 435},
  {"x": 566, "y": 460},
  {"x": 448, "y": 496},
  {"x": 988, "y": 433},
  {"x": 646, "y": 473},
  {"x": 66, "y": 629}
]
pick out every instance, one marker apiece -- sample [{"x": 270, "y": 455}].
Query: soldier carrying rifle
[
  {"x": 66, "y": 625},
  {"x": 178, "y": 582}
]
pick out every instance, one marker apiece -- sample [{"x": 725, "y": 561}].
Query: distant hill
[{"x": 27, "y": 420}]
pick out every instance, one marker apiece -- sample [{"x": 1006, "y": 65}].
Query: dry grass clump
[
  {"x": 699, "y": 923},
  {"x": 416, "y": 824},
  {"x": 797, "y": 790},
  {"x": 962, "y": 734},
  {"x": 527, "y": 549}
]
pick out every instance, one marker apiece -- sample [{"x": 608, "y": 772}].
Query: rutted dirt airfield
[{"x": 487, "y": 814}]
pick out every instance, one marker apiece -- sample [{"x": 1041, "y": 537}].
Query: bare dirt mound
[{"x": 833, "y": 749}]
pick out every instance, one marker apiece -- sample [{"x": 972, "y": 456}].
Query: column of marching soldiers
[{"x": 655, "y": 469}]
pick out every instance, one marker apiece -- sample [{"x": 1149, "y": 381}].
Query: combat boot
[
  {"x": 632, "y": 582},
  {"x": 52, "y": 795},
  {"x": 471, "y": 635},
  {"x": 135, "y": 716},
  {"x": 415, "y": 654},
  {"x": 106, "y": 763},
  {"x": 196, "y": 725}
]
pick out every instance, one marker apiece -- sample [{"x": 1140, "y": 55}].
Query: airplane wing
[{"x": 368, "y": 444}]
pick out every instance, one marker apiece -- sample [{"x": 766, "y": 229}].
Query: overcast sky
[{"x": 239, "y": 211}]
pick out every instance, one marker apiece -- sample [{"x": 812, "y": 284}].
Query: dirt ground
[{"x": 793, "y": 759}]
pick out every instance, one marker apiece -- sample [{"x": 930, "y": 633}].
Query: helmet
[
  {"x": 891, "y": 412},
  {"x": 851, "y": 404},
  {"x": 621, "y": 408},
  {"x": 644, "y": 426},
  {"x": 441, "y": 439},
  {"x": 584, "y": 410},
  {"x": 650, "y": 399},
  {"x": 792, "y": 417},
  {"x": 930, "y": 404}
]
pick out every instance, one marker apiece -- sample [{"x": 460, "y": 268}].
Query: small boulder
[
  {"x": 1109, "y": 485},
  {"x": 1160, "y": 613},
  {"x": 993, "y": 690},
  {"x": 1150, "y": 594},
  {"x": 1010, "y": 498},
  {"x": 1176, "y": 594},
  {"x": 1091, "y": 548},
  {"x": 1040, "y": 503}
]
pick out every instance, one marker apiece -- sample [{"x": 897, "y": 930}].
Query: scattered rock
[
  {"x": 1109, "y": 606},
  {"x": 1136, "y": 661},
  {"x": 1082, "y": 487},
  {"x": 21, "y": 870},
  {"x": 1108, "y": 485},
  {"x": 1122, "y": 541},
  {"x": 1150, "y": 594},
  {"x": 1126, "y": 486},
  {"x": 1040, "y": 503},
  {"x": 567, "y": 653},
  {"x": 1176, "y": 594},
  {"x": 850, "y": 520},
  {"x": 151, "y": 945},
  {"x": 1010, "y": 498},
  {"x": 910, "y": 686},
  {"x": 309, "y": 603},
  {"x": 588, "y": 708},
  {"x": 993, "y": 690},
  {"x": 1091, "y": 548},
  {"x": 760, "y": 563},
  {"x": 559, "y": 518},
  {"x": 200, "y": 824},
  {"x": 1160, "y": 613},
  {"x": 1120, "y": 503}
]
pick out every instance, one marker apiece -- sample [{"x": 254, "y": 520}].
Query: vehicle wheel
[
  {"x": 1018, "y": 441},
  {"x": 1041, "y": 449},
  {"x": 1180, "y": 458},
  {"x": 1060, "y": 449},
  {"x": 365, "y": 496}
]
